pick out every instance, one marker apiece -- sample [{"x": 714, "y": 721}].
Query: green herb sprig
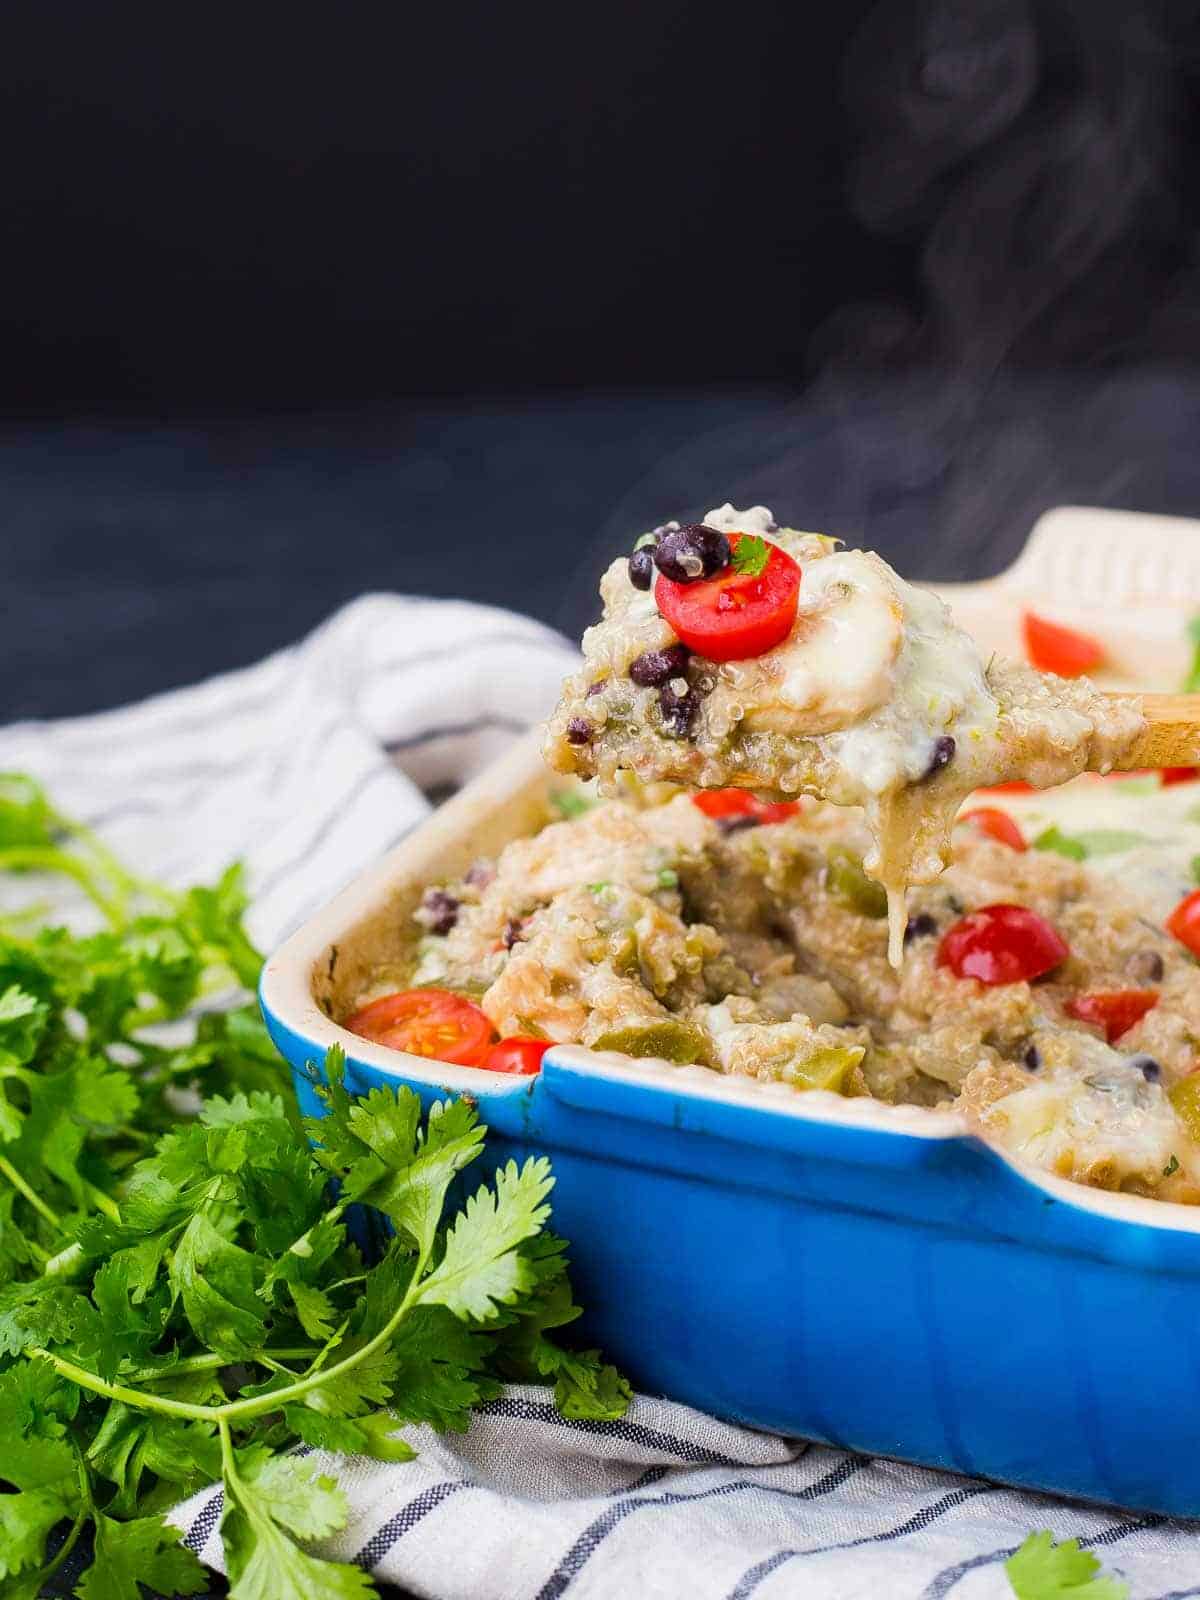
[
  {"x": 180, "y": 1300},
  {"x": 750, "y": 556}
]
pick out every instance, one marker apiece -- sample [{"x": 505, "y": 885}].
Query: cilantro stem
[
  {"x": 211, "y": 1362},
  {"x": 43, "y": 858},
  {"x": 252, "y": 1405},
  {"x": 22, "y": 1188},
  {"x": 86, "y": 1510},
  {"x": 102, "y": 1202}
]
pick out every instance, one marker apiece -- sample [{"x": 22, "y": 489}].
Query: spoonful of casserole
[{"x": 736, "y": 653}]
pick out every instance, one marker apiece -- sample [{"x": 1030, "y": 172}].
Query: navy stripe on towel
[
  {"x": 406, "y": 1519},
  {"x": 210, "y": 1514},
  {"x": 592, "y": 1537},
  {"x": 921, "y": 1519},
  {"x": 631, "y": 1432}
]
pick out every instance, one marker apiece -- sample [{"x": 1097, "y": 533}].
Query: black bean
[
  {"x": 579, "y": 731},
  {"x": 696, "y": 551},
  {"x": 1146, "y": 966},
  {"x": 736, "y": 824},
  {"x": 514, "y": 931},
  {"x": 920, "y": 927},
  {"x": 1149, "y": 1068},
  {"x": 596, "y": 688},
  {"x": 641, "y": 568},
  {"x": 665, "y": 527},
  {"x": 678, "y": 711},
  {"x": 1033, "y": 1058},
  {"x": 480, "y": 874},
  {"x": 654, "y": 667},
  {"x": 438, "y": 911},
  {"x": 941, "y": 755}
]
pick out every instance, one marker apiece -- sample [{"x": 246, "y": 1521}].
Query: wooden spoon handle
[{"x": 1171, "y": 737}]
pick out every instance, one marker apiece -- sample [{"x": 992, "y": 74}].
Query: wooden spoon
[{"x": 1171, "y": 737}]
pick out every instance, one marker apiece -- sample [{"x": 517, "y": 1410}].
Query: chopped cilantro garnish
[
  {"x": 1061, "y": 843},
  {"x": 1195, "y": 869},
  {"x": 751, "y": 555},
  {"x": 668, "y": 878},
  {"x": 1042, "y": 1570},
  {"x": 570, "y": 803},
  {"x": 645, "y": 541},
  {"x": 1191, "y": 684},
  {"x": 179, "y": 1297},
  {"x": 1171, "y": 1167},
  {"x": 1090, "y": 842}
]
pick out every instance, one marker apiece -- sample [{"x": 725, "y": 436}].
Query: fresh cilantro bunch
[{"x": 180, "y": 1296}]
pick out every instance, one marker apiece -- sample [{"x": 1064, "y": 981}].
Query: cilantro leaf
[
  {"x": 1042, "y": 1570},
  {"x": 421, "y": 1166},
  {"x": 22, "y": 1022},
  {"x": 482, "y": 1266},
  {"x": 750, "y": 556},
  {"x": 372, "y": 1435},
  {"x": 144, "y": 1551},
  {"x": 217, "y": 1282},
  {"x": 266, "y": 1499},
  {"x": 26, "y": 1520}
]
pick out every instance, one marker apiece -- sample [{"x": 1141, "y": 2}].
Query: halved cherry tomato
[
  {"x": 1114, "y": 1010},
  {"x": 731, "y": 616},
  {"x": 516, "y": 1055},
  {"x": 1172, "y": 775},
  {"x": 1002, "y": 944},
  {"x": 1184, "y": 922},
  {"x": 996, "y": 824},
  {"x": 718, "y": 803},
  {"x": 427, "y": 1022},
  {"x": 1053, "y": 648}
]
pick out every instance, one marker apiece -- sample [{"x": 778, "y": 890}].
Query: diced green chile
[
  {"x": 673, "y": 1041},
  {"x": 848, "y": 883}
]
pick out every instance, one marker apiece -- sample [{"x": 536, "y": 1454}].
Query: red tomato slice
[
  {"x": 1053, "y": 648},
  {"x": 731, "y": 616},
  {"x": 1172, "y": 775},
  {"x": 516, "y": 1055},
  {"x": 1114, "y": 1010},
  {"x": 1002, "y": 944},
  {"x": 717, "y": 803},
  {"x": 996, "y": 824},
  {"x": 1019, "y": 786},
  {"x": 1184, "y": 922},
  {"x": 427, "y": 1022}
]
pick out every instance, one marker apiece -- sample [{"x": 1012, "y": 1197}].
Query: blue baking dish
[{"x": 870, "y": 1276}]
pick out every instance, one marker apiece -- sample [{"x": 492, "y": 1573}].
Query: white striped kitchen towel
[{"x": 308, "y": 766}]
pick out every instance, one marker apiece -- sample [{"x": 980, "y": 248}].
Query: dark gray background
[{"x": 133, "y": 559}]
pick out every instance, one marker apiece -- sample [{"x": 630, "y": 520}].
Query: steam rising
[{"x": 1026, "y": 155}]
